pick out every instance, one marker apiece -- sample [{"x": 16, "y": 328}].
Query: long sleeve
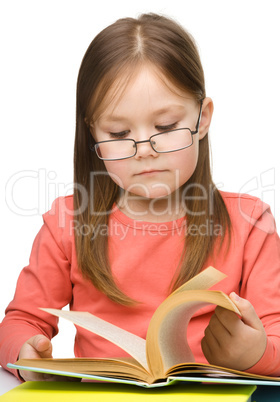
[
  {"x": 53, "y": 279},
  {"x": 45, "y": 282},
  {"x": 252, "y": 264},
  {"x": 261, "y": 283}
]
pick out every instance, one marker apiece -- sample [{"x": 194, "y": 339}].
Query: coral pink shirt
[{"x": 143, "y": 257}]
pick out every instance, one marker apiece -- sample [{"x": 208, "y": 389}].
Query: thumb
[
  {"x": 43, "y": 345},
  {"x": 248, "y": 313}
]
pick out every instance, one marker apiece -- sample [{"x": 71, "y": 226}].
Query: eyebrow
[
  {"x": 171, "y": 108},
  {"x": 159, "y": 112}
]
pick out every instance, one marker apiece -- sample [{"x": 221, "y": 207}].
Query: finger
[
  {"x": 216, "y": 329},
  {"x": 210, "y": 345},
  {"x": 33, "y": 376},
  {"x": 27, "y": 375},
  {"x": 36, "y": 347},
  {"x": 205, "y": 348},
  {"x": 249, "y": 315},
  {"x": 43, "y": 345},
  {"x": 229, "y": 320},
  {"x": 63, "y": 378},
  {"x": 216, "y": 334}
]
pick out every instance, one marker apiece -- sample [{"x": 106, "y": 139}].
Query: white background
[{"x": 42, "y": 44}]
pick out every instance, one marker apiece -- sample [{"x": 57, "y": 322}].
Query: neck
[{"x": 152, "y": 210}]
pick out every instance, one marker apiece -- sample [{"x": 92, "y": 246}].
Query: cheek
[
  {"x": 185, "y": 163},
  {"x": 181, "y": 166},
  {"x": 118, "y": 171}
]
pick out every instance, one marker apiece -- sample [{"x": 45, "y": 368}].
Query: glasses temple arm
[{"x": 199, "y": 118}]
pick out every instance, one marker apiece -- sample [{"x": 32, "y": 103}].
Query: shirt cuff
[{"x": 269, "y": 363}]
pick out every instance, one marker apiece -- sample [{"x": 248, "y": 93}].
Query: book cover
[{"x": 72, "y": 392}]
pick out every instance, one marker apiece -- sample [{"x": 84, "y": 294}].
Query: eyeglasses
[{"x": 164, "y": 142}]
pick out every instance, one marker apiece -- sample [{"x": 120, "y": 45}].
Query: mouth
[{"x": 150, "y": 172}]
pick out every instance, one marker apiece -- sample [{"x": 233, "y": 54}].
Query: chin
[{"x": 153, "y": 196}]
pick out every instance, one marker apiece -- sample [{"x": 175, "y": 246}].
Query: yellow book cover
[{"x": 83, "y": 391}]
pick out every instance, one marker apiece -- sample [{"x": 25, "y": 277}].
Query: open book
[{"x": 164, "y": 357}]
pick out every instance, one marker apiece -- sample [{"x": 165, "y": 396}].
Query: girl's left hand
[{"x": 233, "y": 342}]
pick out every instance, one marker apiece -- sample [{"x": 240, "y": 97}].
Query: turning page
[{"x": 130, "y": 343}]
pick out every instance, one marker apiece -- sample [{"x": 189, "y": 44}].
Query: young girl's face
[{"x": 149, "y": 105}]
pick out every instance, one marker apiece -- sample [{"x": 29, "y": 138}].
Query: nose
[{"x": 144, "y": 149}]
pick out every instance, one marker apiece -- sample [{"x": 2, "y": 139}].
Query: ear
[
  {"x": 90, "y": 127},
  {"x": 206, "y": 117},
  {"x": 88, "y": 123}
]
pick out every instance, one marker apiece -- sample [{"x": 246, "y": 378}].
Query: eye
[
  {"x": 120, "y": 134},
  {"x": 167, "y": 127}
]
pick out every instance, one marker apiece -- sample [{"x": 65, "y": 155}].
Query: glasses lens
[
  {"x": 115, "y": 149},
  {"x": 172, "y": 140}
]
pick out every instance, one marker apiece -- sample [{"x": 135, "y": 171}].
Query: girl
[{"x": 145, "y": 215}]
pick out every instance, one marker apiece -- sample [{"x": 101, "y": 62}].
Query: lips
[{"x": 150, "y": 172}]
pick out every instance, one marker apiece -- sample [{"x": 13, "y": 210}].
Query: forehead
[{"x": 144, "y": 85}]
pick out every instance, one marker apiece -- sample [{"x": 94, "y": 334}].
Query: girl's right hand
[
  {"x": 35, "y": 348},
  {"x": 39, "y": 346}
]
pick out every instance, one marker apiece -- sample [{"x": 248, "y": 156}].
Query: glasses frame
[{"x": 93, "y": 147}]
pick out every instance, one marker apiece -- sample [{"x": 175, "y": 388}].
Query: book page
[
  {"x": 130, "y": 343},
  {"x": 204, "y": 280},
  {"x": 122, "y": 368},
  {"x": 167, "y": 343}
]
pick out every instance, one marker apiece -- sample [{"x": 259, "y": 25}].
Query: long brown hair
[{"x": 114, "y": 53}]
